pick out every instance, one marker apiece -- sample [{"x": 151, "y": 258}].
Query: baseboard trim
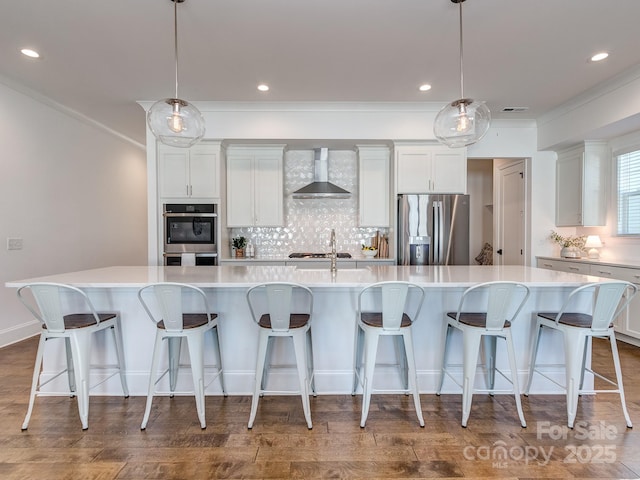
[{"x": 19, "y": 332}]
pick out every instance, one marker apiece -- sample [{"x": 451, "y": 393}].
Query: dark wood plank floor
[{"x": 391, "y": 446}]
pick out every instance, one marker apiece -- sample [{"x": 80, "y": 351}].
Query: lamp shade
[
  {"x": 593, "y": 242},
  {"x": 462, "y": 122},
  {"x": 176, "y": 122}
]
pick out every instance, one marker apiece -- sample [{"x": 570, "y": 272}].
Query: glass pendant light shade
[
  {"x": 176, "y": 122},
  {"x": 173, "y": 121},
  {"x": 462, "y": 122}
]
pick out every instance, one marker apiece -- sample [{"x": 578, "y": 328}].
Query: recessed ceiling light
[
  {"x": 599, "y": 56},
  {"x": 263, "y": 87},
  {"x": 30, "y": 53},
  {"x": 425, "y": 87}
]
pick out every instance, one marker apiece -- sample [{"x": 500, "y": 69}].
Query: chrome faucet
[{"x": 333, "y": 254}]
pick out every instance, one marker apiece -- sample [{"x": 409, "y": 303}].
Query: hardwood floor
[{"x": 391, "y": 446}]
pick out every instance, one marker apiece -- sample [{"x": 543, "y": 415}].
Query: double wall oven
[{"x": 190, "y": 231}]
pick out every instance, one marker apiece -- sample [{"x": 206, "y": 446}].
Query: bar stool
[
  {"x": 606, "y": 303},
  {"x": 174, "y": 325},
  {"x": 77, "y": 330},
  {"x": 501, "y": 303},
  {"x": 384, "y": 315},
  {"x": 272, "y": 306}
]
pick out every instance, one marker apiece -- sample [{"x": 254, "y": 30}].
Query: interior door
[{"x": 511, "y": 215}]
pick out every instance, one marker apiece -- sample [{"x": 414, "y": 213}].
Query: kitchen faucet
[{"x": 333, "y": 254}]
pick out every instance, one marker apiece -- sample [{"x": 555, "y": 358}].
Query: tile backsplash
[{"x": 308, "y": 222}]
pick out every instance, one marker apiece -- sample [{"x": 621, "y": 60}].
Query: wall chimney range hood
[{"x": 321, "y": 187}]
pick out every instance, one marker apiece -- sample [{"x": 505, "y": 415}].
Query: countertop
[{"x": 245, "y": 276}]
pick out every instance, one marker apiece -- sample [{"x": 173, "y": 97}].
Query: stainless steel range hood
[{"x": 321, "y": 187}]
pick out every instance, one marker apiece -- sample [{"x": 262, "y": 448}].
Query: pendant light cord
[
  {"x": 175, "y": 39},
  {"x": 461, "y": 70}
]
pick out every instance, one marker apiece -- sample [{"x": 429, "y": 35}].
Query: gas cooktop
[{"x": 318, "y": 255}]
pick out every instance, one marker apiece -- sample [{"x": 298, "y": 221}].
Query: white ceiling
[{"x": 100, "y": 57}]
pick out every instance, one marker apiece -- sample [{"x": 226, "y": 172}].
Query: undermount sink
[{"x": 304, "y": 255}]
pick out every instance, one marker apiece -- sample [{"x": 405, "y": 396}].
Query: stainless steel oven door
[
  {"x": 192, "y": 233},
  {"x": 202, "y": 259}
]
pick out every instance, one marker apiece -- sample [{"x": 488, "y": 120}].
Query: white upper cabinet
[
  {"x": 374, "y": 186},
  {"x": 255, "y": 186},
  {"x": 192, "y": 173},
  {"x": 581, "y": 180},
  {"x": 430, "y": 168}
]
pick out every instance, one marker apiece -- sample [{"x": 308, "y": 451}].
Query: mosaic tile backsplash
[{"x": 308, "y": 222}]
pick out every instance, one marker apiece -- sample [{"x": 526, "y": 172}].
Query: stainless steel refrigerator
[{"x": 433, "y": 229}]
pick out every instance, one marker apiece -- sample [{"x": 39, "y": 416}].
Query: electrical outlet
[{"x": 14, "y": 243}]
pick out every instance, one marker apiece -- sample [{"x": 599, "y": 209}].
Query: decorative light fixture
[
  {"x": 463, "y": 121},
  {"x": 593, "y": 243},
  {"x": 173, "y": 121}
]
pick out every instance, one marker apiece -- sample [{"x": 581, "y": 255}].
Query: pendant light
[
  {"x": 464, "y": 121},
  {"x": 174, "y": 121}
]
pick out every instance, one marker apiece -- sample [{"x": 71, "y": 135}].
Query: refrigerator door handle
[
  {"x": 440, "y": 234},
  {"x": 437, "y": 232}
]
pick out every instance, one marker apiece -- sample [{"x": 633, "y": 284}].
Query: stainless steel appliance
[
  {"x": 190, "y": 229},
  {"x": 433, "y": 229}
]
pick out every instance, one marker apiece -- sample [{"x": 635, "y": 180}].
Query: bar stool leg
[
  {"x": 514, "y": 376},
  {"x": 370, "y": 351},
  {"x": 490, "y": 356},
  {"x": 71, "y": 374},
  {"x": 216, "y": 346},
  {"x": 262, "y": 352},
  {"x": 534, "y": 356},
  {"x": 117, "y": 337},
  {"x": 445, "y": 342},
  {"x": 616, "y": 364},
  {"x": 299, "y": 346},
  {"x": 573, "y": 347},
  {"x": 80, "y": 349},
  {"x": 174, "y": 345},
  {"x": 34, "y": 381},
  {"x": 471, "y": 349},
  {"x": 195, "y": 343},
  {"x": 412, "y": 374},
  {"x": 310, "y": 368},
  {"x": 152, "y": 379},
  {"x": 357, "y": 361}
]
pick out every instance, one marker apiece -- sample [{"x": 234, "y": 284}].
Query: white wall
[{"x": 73, "y": 192}]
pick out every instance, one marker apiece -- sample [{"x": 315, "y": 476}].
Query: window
[{"x": 628, "y": 166}]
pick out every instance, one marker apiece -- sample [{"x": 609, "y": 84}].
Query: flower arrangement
[{"x": 569, "y": 241}]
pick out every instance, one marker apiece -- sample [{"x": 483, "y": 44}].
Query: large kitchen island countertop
[
  {"x": 333, "y": 322},
  {"x": 245, "y": 276}
]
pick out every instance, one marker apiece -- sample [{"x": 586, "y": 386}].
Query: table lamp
[{"x": 593, "y": 243}]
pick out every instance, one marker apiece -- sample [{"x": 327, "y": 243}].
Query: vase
[
  {"x": 239, "y": 252},
  {"x": 570, "y": 252}
]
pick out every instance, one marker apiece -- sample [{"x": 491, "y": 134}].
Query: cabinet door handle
[
  {"x": 575, "y": 269},
  {"x": 636, "y": 276},
  {"x": 547, "y": 265},
  {"x": 604, "y": 273},
  {"x": 187, "y": 187}
]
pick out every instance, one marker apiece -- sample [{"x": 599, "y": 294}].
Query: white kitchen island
[{"x": 333, "y": 323}]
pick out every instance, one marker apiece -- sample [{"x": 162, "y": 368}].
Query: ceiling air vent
[{"x": 514, "y": 109}]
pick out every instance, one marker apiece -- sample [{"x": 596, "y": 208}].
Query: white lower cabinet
[{"x": 628, "y": 322}]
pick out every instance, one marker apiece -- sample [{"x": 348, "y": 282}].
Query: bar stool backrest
[
  {"x": 170, "y": 302},
  {"x": 501, "y": 298},
  {"x": 607, "y": 302},
  {"x": 279, "y": 303},
  {"x": 47, "y": 297},
  {"x": 393, "y": 302}
]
